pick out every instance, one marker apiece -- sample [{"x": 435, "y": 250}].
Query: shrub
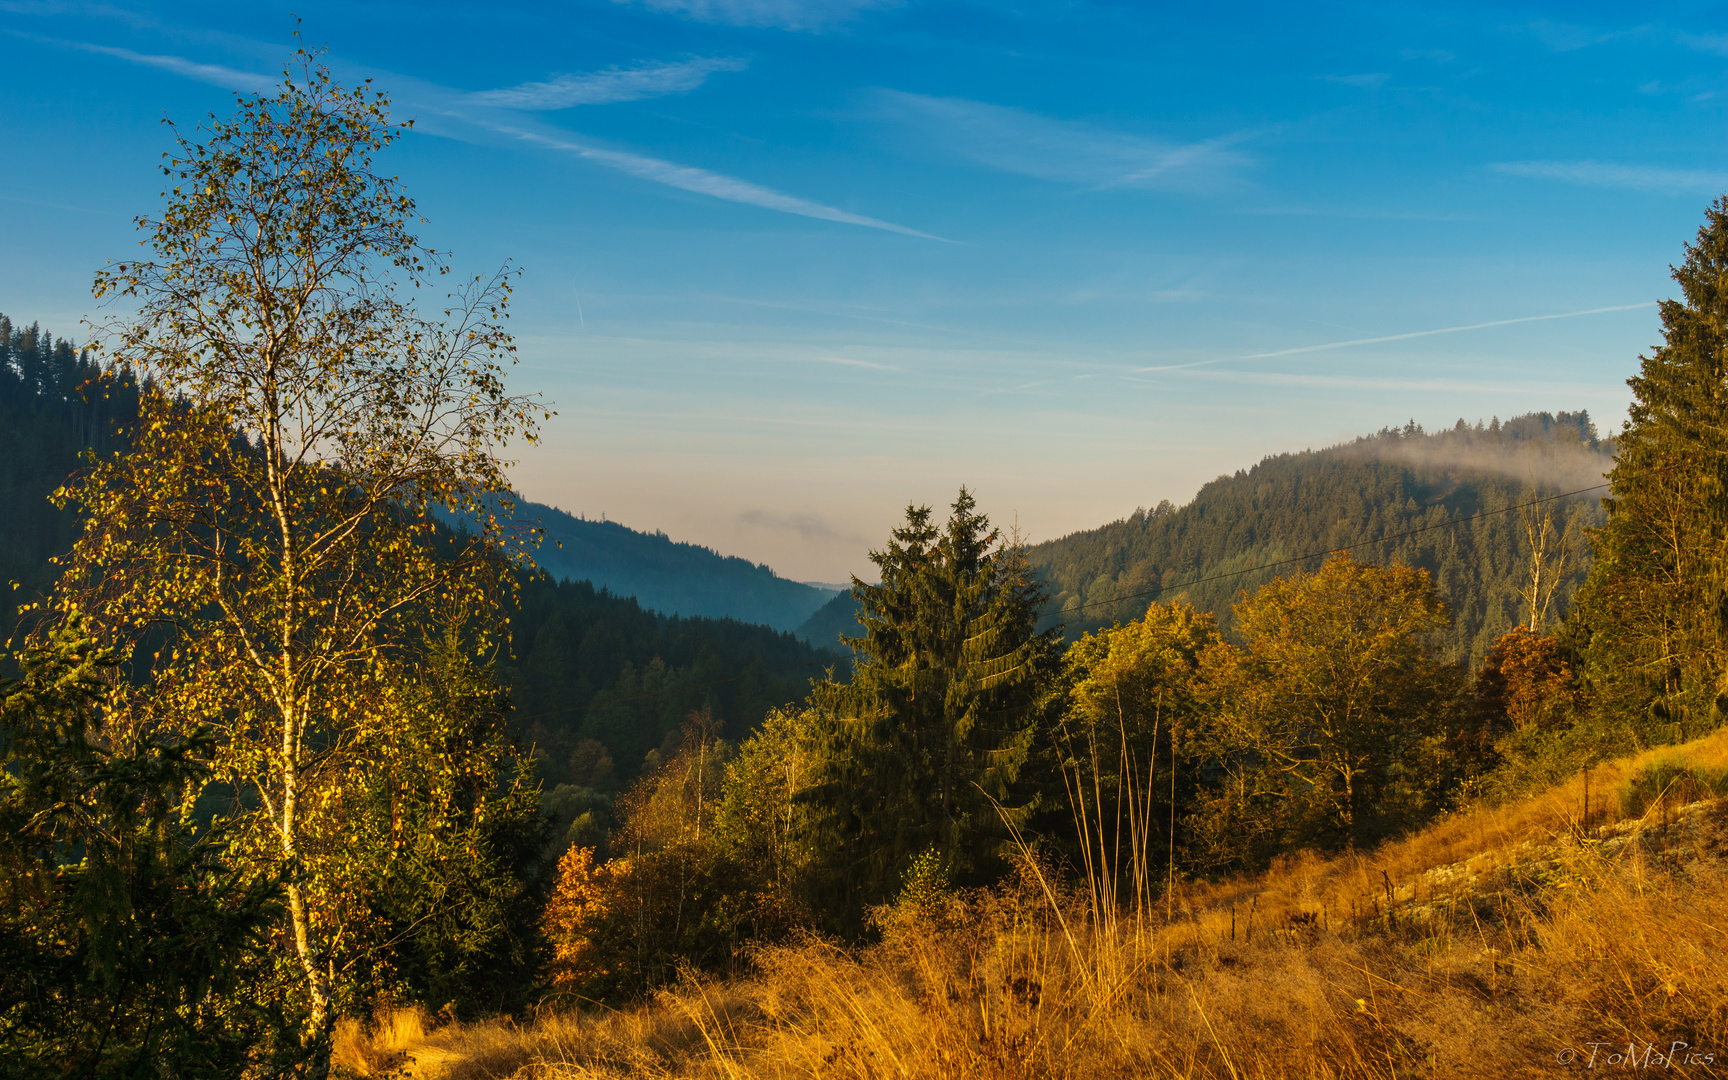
[{"x": 1665, "y": 784}]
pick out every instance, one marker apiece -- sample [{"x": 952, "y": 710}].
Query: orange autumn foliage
[
  {"x": 1530, "y": 680},
  {"x": 579, "y": 901}
]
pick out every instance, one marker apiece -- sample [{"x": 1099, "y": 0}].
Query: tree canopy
[{"x": 1655, "y": 610}]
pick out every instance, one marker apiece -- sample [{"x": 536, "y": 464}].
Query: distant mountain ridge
[
  {"x": 666, "y": 575},
  {"x": 839, "y": 616}
]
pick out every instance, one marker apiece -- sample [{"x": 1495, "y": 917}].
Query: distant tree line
[{"x": 667, "y": 575}]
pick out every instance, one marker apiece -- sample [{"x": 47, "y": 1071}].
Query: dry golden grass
[
  {"x": 1483, "y": 839},
  {"x": 1555, "y": 939}
]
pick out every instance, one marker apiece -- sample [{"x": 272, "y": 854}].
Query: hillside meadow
[{"x": 1522, "y": 940}]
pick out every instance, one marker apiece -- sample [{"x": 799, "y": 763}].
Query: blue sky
[{"x": 791, "y": 264}]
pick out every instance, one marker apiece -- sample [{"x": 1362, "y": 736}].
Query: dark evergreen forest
[
  {"x": 600, "y": 683},
  {"x": 53, "y": 406}
]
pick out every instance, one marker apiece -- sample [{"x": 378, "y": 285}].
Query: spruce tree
[
  {"x": 1655, "y": 610},
  {"x": 924, "y": 745},
  {"x": 129, "y": 947}
]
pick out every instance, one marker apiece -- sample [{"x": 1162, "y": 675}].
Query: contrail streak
[
  {"x": 1399, "y": 337},
  {"x": 1443, "y": 330},
  {"x": 439, "y": 100},
  {"x": 704, "y": 182}
]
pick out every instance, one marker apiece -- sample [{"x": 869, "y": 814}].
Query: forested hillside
[
  {"x": 839, "y": 616},
  {"x": 52, "y": 407},
  {"x": 666, "y": 575},
  {"x": 599, "y": 682},
  {"x": 282, "y": 749},
  {"x": 1382, "y": 486}
]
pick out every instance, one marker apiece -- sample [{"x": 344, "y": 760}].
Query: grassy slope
[{"x": 1561, "y": 933}]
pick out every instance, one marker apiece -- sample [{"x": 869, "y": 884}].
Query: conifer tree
[
  {"x": 925, "y": 743},
  {"x": 1655, "y": 609}
]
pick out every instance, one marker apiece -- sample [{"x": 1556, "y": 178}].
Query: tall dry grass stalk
[{"x": 1494, "y": 944}]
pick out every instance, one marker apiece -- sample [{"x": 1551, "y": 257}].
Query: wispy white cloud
[
  {"x": 1691, "y": 88},
  {"x": 1446, "y": 330},
  {"x": 455, "y": 115},
  {"x": 213, "y": 74},
  {"x": 1179, "y": 296},
  {"x": 612, "y": 85},
  {"x": 1603, "y": 174},
  {"x": 1714, "y": 44},
  {"x": 701, "y": 181},
  {"x": 1570, "y": 37},
  {"x": 1366, "y": 213},
  {"x": 1037, "y": 146},
  {"x": 53, "y": 205},
  {"x": 847, "y": 361},
  {"x": 1352, "y": 382},
  {"x": 1373, "y": 80},
  {"x": 807, "y": 526},
  {"x": 780, "y": 14},
  {"x": 1564, "y": 37}
]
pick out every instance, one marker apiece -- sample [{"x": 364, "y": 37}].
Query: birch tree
[{"x": 267, "y": 550}]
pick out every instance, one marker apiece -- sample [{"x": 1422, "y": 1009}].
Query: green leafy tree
[
  {"x": 1331, "y": 720},
  {"x": 437, "y": 837},
  {"x": 923, "y": 746},
  {"x": 686, "y": 885},
  {"x": 1135, "y": 701},
  {"x": 1655, "y": 608},
  {"x": 128, "y": 945},
  {"x": 763, "y": 821},
  {"x": 266, "y": 553}
]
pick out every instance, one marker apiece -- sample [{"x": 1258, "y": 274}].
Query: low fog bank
[{"x": 1549, "y": 451}]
